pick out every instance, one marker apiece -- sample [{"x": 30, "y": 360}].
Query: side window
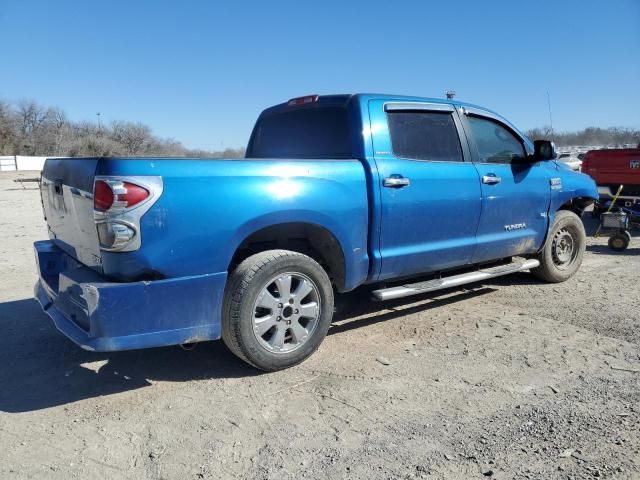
[
  {"x": 495, "y": 143},
  {"x": 425, "y": 135}
]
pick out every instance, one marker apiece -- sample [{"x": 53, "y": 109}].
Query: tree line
[
  {"x": 591, "y": 136},
  {"x": 28, "y": 128}
]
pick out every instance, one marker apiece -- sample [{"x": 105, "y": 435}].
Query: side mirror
[{"x": 544, "y": 150}]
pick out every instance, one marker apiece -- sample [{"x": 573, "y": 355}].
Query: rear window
[
  {"x": 430, "y": 136},
  {"x": 305, "y": 133}
]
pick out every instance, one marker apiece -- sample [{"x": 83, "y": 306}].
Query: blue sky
[{"x": 201, "y": 71}]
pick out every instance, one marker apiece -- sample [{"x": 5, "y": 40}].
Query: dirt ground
[{"x": 510, "y": 379}]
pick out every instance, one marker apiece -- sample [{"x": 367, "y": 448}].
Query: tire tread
[
  {"x": 546, "y": 271},
  {"x": 237, "y": 286}
]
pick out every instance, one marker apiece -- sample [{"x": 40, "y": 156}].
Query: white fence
[{"x": 21, "y": 162}]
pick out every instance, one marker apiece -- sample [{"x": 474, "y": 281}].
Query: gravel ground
[{"x": 510, "y": 379}]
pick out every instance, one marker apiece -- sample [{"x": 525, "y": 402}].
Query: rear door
[
  {"x": 515, "y": 196},
  {"x": 430, "y": 191}
]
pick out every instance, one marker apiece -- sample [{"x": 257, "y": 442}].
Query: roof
[
  {"x": 342, "y": 99},
  {"x": 364, "y": 98}
]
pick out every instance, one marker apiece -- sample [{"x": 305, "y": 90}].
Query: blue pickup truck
[{"x": 408, "y": 194}]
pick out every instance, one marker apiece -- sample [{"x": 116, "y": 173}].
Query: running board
[{"x": 453, "y": 281}]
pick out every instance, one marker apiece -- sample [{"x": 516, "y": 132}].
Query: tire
[
  {"x": 563, "y": 251},
  {"x": 619, "y": 241},
  {"x": 269, "y": 329}
]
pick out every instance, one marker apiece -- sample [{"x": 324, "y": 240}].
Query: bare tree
[
  {"x": 132, "y": 136},
  {"x": 31, "y": 116},
  {"x": 7, "y": 132}
]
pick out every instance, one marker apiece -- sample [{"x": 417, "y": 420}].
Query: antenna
[{"x": 550, "y": 117}]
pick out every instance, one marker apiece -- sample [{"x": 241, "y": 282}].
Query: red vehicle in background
[{"x": 612, "y": 168}]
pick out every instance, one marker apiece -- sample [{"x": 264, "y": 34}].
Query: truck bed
[{"x": 206, "y": 209}]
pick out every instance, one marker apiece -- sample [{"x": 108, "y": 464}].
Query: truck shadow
[
  {"x": 41, "y": 368},
  {"x": 350, "y": 307}
]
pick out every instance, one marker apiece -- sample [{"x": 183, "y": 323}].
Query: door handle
[
  {"x": 491, "y": 179},
  {"x": 396, "y": 181}
]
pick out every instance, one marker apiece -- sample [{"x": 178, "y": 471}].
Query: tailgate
[{"x": 67, "y": 199}]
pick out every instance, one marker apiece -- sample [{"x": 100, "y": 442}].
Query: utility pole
[
  {"x": 99, "y": 124},
  {"x": 550, "y": 118}
]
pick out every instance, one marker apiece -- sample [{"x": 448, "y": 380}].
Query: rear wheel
[
  {"x": 619, "y": 241},
  {"x": 277, "y": 310},
  {"x": 563, "y": 250}
]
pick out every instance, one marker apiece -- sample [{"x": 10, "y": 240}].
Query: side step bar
[{"x": 453, "y": 281}]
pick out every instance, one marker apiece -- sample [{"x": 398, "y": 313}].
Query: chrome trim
[
  {"x": 453, "y": 281},
  {"x": 491, "y": 179},
  {"x": 396, "y": 182},
  {"x": 69, "y": 218}
]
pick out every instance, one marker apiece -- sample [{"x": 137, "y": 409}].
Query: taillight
[
  {"x": 118, "y": 207},
  {"x": 102, "y": 196},
  {"x": 117, "y": 195},
  {"x": 134, "y": 194}
]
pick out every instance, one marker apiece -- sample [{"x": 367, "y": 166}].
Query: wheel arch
[
  {"x": 576, "y": 204},
  {"x": 309, "y": 238}
]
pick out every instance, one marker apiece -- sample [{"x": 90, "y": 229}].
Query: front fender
[{"x": 567, "y": 187}]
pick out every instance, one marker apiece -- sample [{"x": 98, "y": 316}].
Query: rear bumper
[{"x": 101, "y": 315}]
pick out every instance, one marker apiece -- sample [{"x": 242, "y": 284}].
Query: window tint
[
  {"x": 495, "y": 143},
  {"x": 304, "y": 133},
  {"x": 424, "y": 136}
]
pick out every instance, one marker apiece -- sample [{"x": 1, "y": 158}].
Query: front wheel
[
  {"x": 277, "y": 309},
  {"x": 562, "y": 254}
]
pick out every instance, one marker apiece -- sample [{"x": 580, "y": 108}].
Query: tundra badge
[{"x": 515, "y": 226}]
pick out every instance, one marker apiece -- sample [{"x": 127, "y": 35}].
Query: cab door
[
  {"x": 429, "y": 190},
  {"x": 515, "y": 194}
]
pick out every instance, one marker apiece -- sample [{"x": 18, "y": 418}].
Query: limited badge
[{"x": 556, "y": 183}]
